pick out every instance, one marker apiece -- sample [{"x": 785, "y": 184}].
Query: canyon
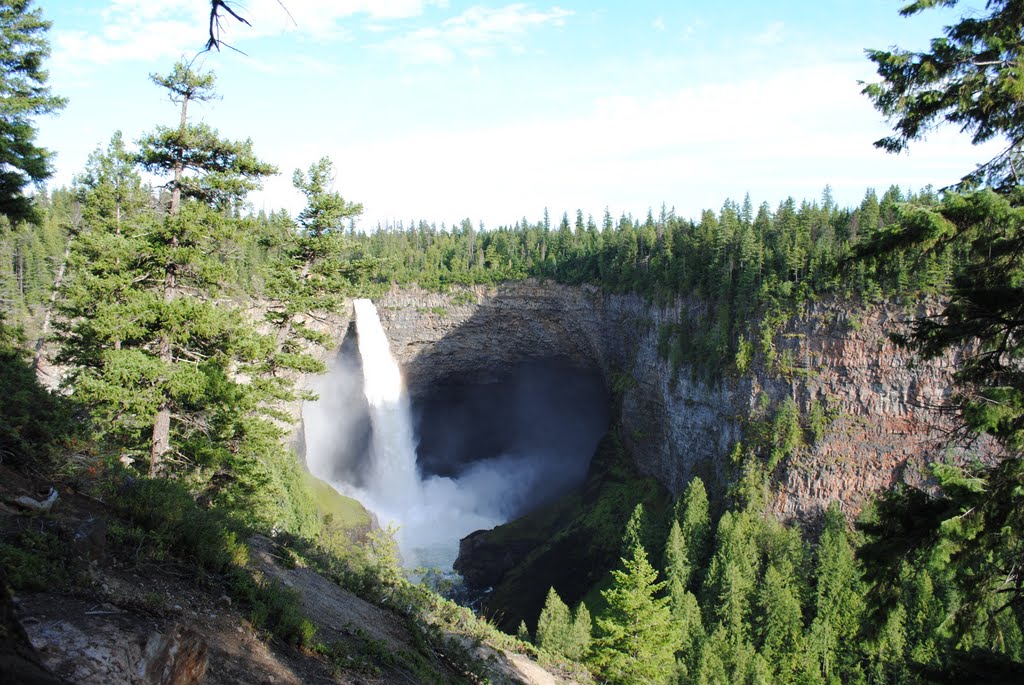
[{"x": 546, "y": 368}]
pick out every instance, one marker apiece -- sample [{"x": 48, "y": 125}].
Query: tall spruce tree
[
  {"x": 209, "y": 175},
  {"x": 105, "y": 312},
  {"x": 313, "y": 273},
  {"x": 635, "y": 637},
  {"x": 839, "y": 603},
  {"x": 24, "y": 95},
  {"x": 145, "y": 335},
  {"x": 693, "y": 514}
]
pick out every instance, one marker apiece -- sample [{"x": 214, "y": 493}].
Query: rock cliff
[{"x": 880, "y": 400}]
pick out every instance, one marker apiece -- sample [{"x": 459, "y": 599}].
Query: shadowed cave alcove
[{"x": 534, "y": 429}]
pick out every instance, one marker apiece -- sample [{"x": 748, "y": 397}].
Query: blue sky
[{"x": 441, "y": 110}]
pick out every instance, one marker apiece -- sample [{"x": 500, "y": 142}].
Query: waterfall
[
  {"x": 393, "y": 478},
  {"x": 431, "y": 514},
  {"x": 359, "y": 437}
]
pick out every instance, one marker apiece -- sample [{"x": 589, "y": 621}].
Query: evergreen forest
[{"x": 154, "y": 328}]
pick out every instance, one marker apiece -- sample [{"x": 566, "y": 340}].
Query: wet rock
[{"x": 483, "y": 564}]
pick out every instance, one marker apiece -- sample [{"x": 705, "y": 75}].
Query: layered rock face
[
  {"x": 882, "y": 427},
  {"x": 889, "y": 417}
]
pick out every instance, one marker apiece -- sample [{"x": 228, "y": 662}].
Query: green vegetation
[
  {"x": 177, "y": 400},
  {"x": 23, "y": 49},
  {"x": 769, "y": 606},
  {"x": 734, "y": 267},
  {"x": 562, "y": 632},
  {"x": 635, "y": 632},
  {"x": 338, "y": 510}
]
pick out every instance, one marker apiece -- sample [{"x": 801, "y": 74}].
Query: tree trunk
[
  {"x": 161, "y": 440},
  {"x": 37, "y": 358}
]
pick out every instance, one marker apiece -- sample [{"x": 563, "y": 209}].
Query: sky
[{"x": 441, "y": 110}]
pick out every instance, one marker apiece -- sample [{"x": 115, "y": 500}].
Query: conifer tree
[
  {"x": 711, "y": 668},
  {"x": 214, "y": 175},
  {"x": 693, "y": 514},
  {"x": 839, "y": 603},
  {"x": 968, "y": 77},
  {"x": 677, "y": 566},
  {"x": 554, "y": 626},
  {"x": 144, "y": 335},
  {"x": 780, "y": 624},
  {"x": 635, "y": 642},
  {"x": 313, "y": 273},
  {"x": 24, "y": 95},
  {"x": 523, "y": 633},
  {"x": 580, "y": 633},
  {"x": 636, "y": 530},
  {"x": 105, "y": 311}
]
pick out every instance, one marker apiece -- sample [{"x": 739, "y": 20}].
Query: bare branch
[{"x": 216, "y": 7}]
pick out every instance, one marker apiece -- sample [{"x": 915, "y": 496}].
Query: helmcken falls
[{"x": 431, "y": 514}]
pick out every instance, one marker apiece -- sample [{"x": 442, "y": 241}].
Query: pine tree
[
  {"x": 635, "y": 642},
  {"x": 839, "y": 603},
  {"x": 969, "y": 77},
  {"x": 214, "y": 174},
  {"x": 523, "y": 633},
  {"x": 711, "y": 668},
  {"x": 780, "y": 623},
  {"x": 688, "y": 628},
  {"x": 676, "y": 565},
  {"x": 636, "y": 530},
  {"x": 313, "y": 274},
  {"x": 145, "y": 337},
  {"x": 693, "y": 514},
  {"x": 105, "y": 310}
]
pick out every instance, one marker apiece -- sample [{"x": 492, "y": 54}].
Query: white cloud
[
  {"x": 145, "y": 30},
  {"x": 658, "y": 24},
  {"x": 770, "y": 35},
  {"x": 475, "y": 33},
  {"x": 786, "y": 135}
]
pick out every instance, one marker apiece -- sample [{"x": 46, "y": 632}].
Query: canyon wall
[{"x": 882, "y": 426}]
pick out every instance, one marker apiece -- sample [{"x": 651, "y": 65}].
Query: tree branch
[{"x": 215, "y": 41}]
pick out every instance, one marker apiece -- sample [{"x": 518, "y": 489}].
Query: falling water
[
  {"x": 432, "y": 514},
  {"x": 392, "y": 480}
]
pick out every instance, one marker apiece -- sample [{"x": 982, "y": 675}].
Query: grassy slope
[{"x": 344, "y": 512}]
